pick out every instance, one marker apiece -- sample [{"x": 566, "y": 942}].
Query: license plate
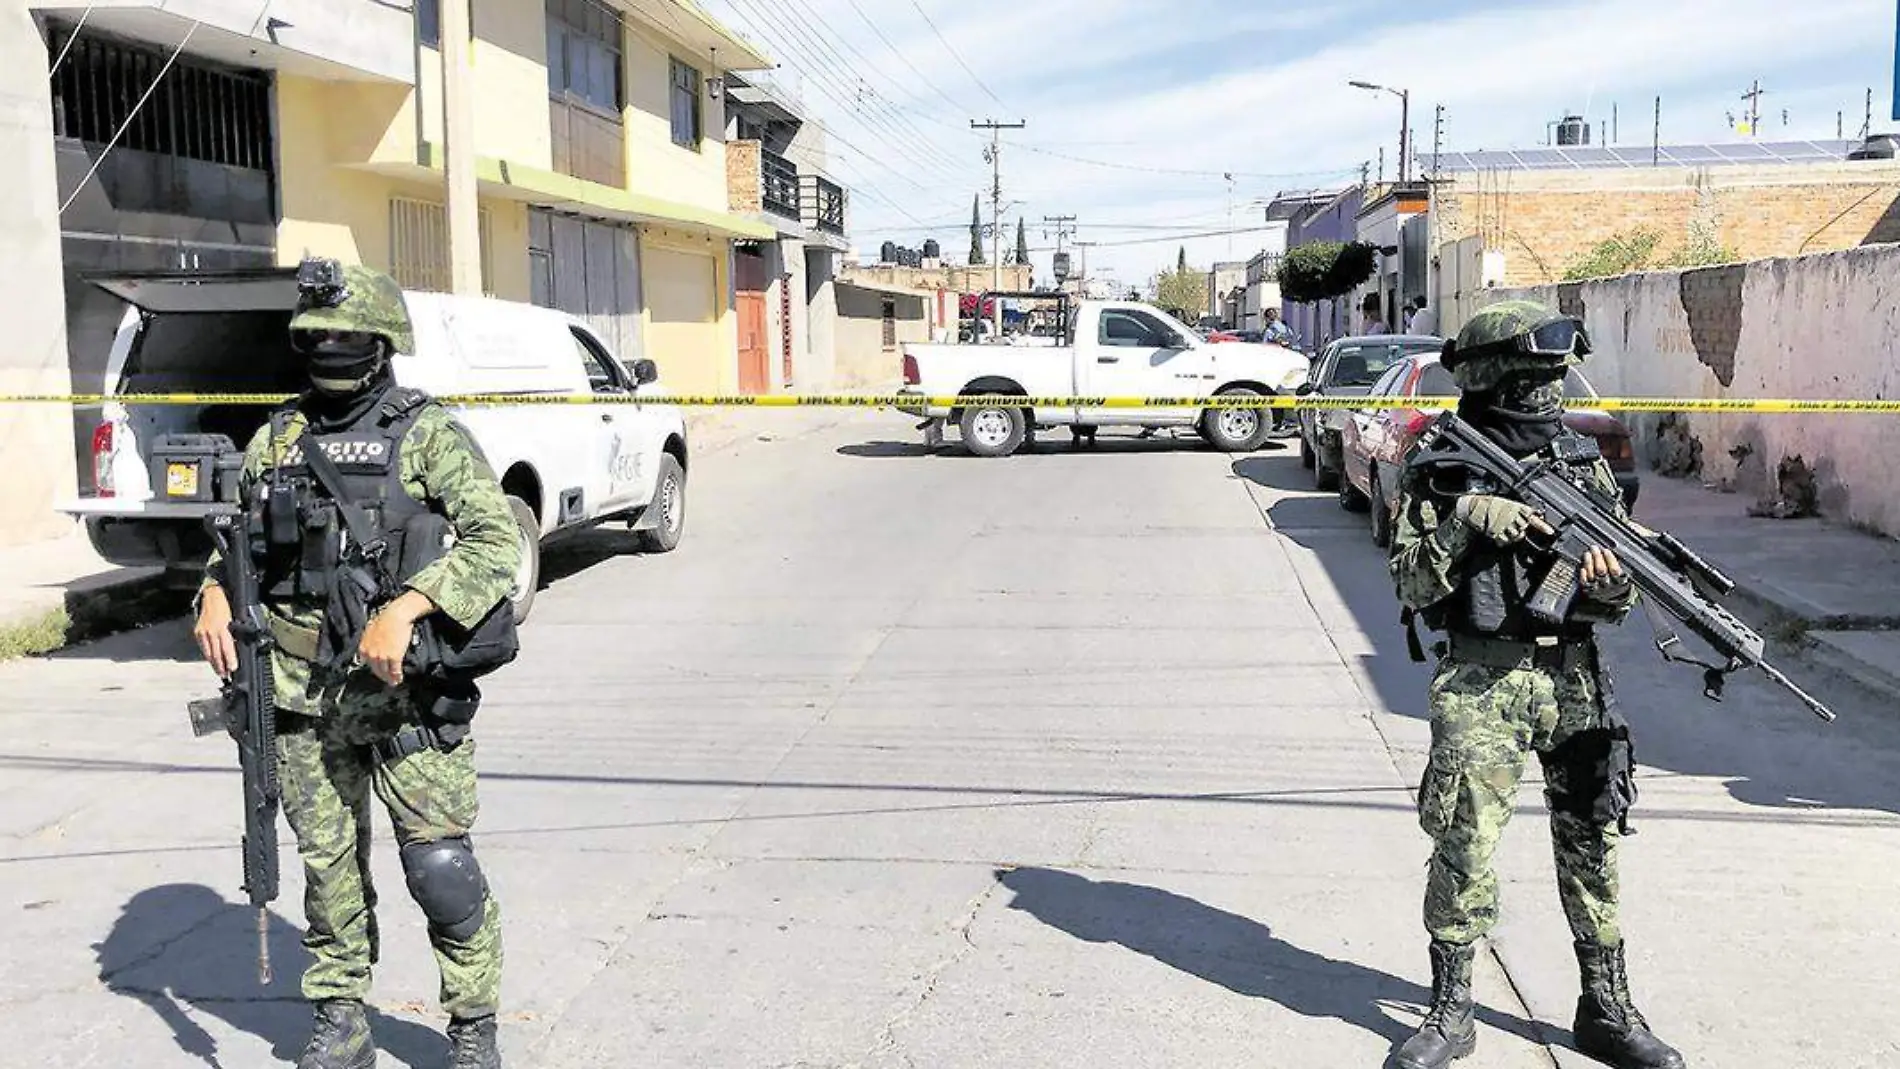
[{"x": 181, "y": 480}]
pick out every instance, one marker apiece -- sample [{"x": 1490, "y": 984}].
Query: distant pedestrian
[
  {"x": 1424, "y": 320},
  {"x": 1276, "y": 331}
]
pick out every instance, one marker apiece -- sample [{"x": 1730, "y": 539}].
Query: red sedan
[{"x": 1376, "y": 441}]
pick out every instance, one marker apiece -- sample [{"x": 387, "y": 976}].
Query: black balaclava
[
  {"x": 1523, "y": 413},
  {"x": 347, "y": 376}
]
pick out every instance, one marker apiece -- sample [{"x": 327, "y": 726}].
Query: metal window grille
[
  {"x": 778, "y": 179},
  {"x": 419, "y": 246},
  {"x": 890, "y": 324},
  {"x": 199, "y": 111}
]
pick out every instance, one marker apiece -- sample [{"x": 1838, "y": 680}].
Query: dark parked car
[
  {"x": 1377, "y": 440},
  {"x": 1347, "y": 368}
]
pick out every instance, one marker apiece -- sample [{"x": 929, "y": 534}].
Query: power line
[
  {"x": 70, "y": 41},
  {"x": 921, "y": 76},
  {"x": 954, "y": 54},
  {"x": 812, "y": 49}
]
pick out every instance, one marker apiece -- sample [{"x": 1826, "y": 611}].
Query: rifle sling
[{"x": 332, "y": 482}]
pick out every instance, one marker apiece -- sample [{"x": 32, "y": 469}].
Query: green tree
[
  {"x": 976, "y": 231},
  {"x": 1325, "y": 270},
  {"x": 1183, "y": 290},
  {"x": 1022, "y": 243},
  {"x": 1180, "y": 259}
]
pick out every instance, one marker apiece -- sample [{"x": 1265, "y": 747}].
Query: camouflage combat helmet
[
  {"x": 353, "y": 298},
  {"x": 1510, "y": 337}
]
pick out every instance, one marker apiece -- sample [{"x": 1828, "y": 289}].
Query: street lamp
[{"x": 1405, "y": 121}]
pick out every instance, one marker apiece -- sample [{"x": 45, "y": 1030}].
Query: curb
[
  {"x": 119, "y": 604},
  {"x": 1820, "y": 640}
]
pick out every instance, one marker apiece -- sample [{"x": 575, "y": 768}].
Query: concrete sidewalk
[
  {"x": 58, "y": 592},
  {"x": 1831, "y": 592}
]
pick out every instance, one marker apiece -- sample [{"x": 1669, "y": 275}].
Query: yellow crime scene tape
[{"x": 919, "y": 401}]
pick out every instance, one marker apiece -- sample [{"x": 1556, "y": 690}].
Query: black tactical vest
[
  {"x": 368, "y": 458},
  {"x": 1500, "y": 579}
]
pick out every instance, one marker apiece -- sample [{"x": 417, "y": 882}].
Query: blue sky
[{"x": 1138, "y": 108}]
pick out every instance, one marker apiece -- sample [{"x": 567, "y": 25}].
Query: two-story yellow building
[{"x": 599, "y": 132}]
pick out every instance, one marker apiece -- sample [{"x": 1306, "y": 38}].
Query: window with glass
[
  {"x": 584, "y": 55},
  {"x": 687, "y": 120},
  {"x": 1361, "y": 364},
  {"x": 1133, "y": 330}
]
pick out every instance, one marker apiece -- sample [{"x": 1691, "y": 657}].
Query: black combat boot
[
  {"x": 1448, "y": 1032},
  {"x": 472, "y": 1043},
  {"x": 1608, "y": 1027},
  {"x": 339, "y": 1037}
]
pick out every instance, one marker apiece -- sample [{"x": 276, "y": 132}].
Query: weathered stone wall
[{"x": 1820, "y": 327}]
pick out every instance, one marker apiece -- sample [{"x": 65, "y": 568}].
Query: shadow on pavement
[
  {"x": 168, "y": 640},
  {"x": 184, "y": 951},
  {"x": 1235, "y": 952},
  {"x": 1769, "y": 752},
  {"x": 1050, "y": 444}
]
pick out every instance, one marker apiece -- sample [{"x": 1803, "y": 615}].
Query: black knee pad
[
  {"x": 1592, "y": 776},
  {"x": 447, "y": 883}
]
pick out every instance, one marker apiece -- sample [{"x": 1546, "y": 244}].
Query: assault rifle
[
  {"x": 246, "y": 708},
  {"x": 1670, "y": 576}
]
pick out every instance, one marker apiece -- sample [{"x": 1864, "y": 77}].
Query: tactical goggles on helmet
[
  {"x": 1559, "y": 337},
  {"x": 307, "y": 342}
]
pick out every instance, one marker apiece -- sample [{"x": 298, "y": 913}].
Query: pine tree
[
  {"x": 1022, "y": 244},
  {"x": 976, "y": 231},
  {"x": 1180, "y": 262}
]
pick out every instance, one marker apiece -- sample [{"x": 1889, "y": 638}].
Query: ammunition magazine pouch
[{"x": 298, "y": 642}]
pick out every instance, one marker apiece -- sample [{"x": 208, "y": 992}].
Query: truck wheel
[
  {"x": 528, "y": 575},
  {"x": 669, "y": 497},
  {"x": 1236, "y": 430},
  {"x": 993, "y": 431}
]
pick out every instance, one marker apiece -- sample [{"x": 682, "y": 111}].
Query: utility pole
[
  {"x": 1438, "y": 139},
  {"x": 1867, "y": 127},
  {"x": 458, "y": 154},
  {"x": 994, "y": 157},
  {"x": 1064, "y": 227},
  {"x": 1753, "y": 97},
  {"x": 1613, "y": 127},
  {"x": 1082, "y": 287},
  {"x": 1655, "y": 144}
]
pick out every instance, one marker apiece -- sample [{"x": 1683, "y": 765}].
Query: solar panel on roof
[{"x": 1739, "y": 152}]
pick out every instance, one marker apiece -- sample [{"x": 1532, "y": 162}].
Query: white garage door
[{"x": 682, "y": 318}]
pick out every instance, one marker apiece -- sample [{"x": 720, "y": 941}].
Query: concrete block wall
[
  {"x": 745, "y": 188},
  {"x": 1817, "y": 327},
  {"x": 1545, "y": 222}
]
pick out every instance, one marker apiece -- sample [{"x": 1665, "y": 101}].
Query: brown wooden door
[{"x": 755, "y": 356}]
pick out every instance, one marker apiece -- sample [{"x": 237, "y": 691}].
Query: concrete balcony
[{"x": 328, "y": 40}]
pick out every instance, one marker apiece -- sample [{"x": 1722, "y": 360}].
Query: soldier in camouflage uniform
[
  {"x": 338, "y": 731},
  {"x": 1508, "y": 685}
]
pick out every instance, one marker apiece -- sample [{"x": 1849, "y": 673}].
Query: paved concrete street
[{"x": 1097, "y": 759}]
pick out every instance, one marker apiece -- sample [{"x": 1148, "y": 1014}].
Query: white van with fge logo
[{"x": 160, "y": 469}]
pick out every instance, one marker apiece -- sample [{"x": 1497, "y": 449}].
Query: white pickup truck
[
  {"x": 1110, "y": 349},
  {"x": 158, "y": 470}
]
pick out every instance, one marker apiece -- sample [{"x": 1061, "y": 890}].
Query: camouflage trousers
[
  {"x": 1485, "y": 722},
  {"x": 329, "y": 772}
]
